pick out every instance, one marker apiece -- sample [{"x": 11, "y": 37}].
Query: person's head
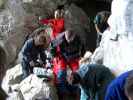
[
  {"x": 59, "y": 12},
  {"x": 100, "y": 21},
  {"x": 129, "y": 87},
  {"x": 69, "y": 35},
  {"x": 42, "y": 38}
]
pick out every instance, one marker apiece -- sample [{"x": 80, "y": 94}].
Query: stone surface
[
  {"x": 15, "y": 96},
  {"x": 13, "y": 76},
  {"x": 33, "y": 88},
  {"x": 78, "y": 20}
]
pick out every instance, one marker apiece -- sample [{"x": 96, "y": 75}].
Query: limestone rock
[
  {"x": 77, "y": 19},
  {"x": 33, "y": 88},
  {"x": 13, "y": 76},
  {"x": 15, "y": 96}
]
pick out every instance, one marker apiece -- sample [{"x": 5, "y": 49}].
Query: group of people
[
  {"x": 63, "y": 44},
  {"x": 97, "y": 82}
]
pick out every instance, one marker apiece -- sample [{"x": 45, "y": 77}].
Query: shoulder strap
[{"x": 58, "y": 40}]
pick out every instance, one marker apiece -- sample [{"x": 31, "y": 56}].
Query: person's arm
[
  {"x": 81, "y": 47},
  {"x": 112, "y": 92},
  {"x": 44, "y": 21},
  {"x": 47, "y": 22},
  {"x": 83, "y": 70},
  {"x": 43, "y": 56},
  {"x": 26, "y": 49}
]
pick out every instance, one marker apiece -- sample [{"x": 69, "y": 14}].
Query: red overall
[{"x": 56, "y": 24}]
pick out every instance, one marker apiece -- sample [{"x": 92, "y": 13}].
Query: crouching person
[
  {"x": 34, "y": 49},
  {"x": 121, "y": 88},
  {"x": 93, "y": 80}
]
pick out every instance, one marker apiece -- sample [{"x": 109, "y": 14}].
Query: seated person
[
  {"x": 33, "y": 49},
  {"x": 121, "y": 88},
  {"x": 93, "y": 80},
  {"x": 68, "y": 54}
]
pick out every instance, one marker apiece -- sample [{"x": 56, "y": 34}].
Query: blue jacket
[
  {"x": 31, "y": 52},
  {"x": 115, "y": 90}
]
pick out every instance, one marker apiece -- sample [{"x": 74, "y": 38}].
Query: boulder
[
  {"x": 33, "y": 88},
  {"x": 13, "y": 76},
  {"x": 77, "y": 19},
  {"x": 16, "y": 95}
]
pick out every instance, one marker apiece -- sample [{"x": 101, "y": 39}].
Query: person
[
  {"x": 121, "y": 88},
  {"x": 71, "y": 49},
  {"x": 57, "y": 24},
  {"x": 93, "y": 80},
  {"x": 101, "y": 24},
  {"x": 117, "y": 37},
  {"x": 33, "y": 48}
]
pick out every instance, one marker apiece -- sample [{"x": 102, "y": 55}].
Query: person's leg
[
  {"x": 74, "y": 64},
  {"x": 62, "y": 84},
  {"x": 58, "y": 64},
  {"x": 75, "y": 90},
  {"x": 60, "y": 77},
  {"x": 83, "y": 95}
]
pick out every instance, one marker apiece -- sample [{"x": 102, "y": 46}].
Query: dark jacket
[
  {"x": 31, "y": 52},
  {"x": 95, "y": 79},
  {"x": 71, "y": 50}
]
